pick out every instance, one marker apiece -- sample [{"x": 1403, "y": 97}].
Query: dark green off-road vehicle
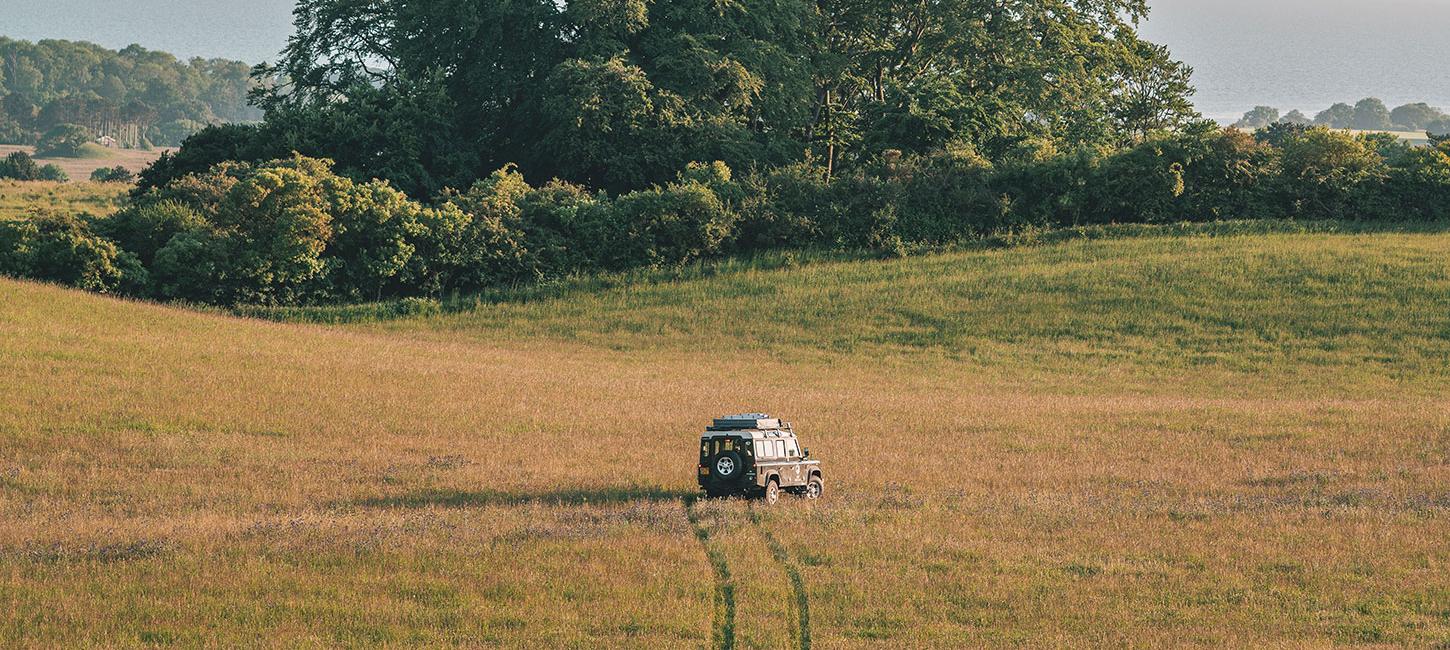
[{"x": 755, "y": 455}]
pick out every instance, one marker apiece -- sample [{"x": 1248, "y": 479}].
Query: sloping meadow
[{"x": 1145, "y": 442}]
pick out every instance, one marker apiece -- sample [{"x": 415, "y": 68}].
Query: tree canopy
[
  {"x": 134, "y": 95},
  {"x": 622, "y": 94}
]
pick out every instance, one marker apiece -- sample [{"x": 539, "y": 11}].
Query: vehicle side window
[
  {"x": 762, "y": 449},
  {"x": 780, "y": 448},
  {"x": 790, "y": 449}
]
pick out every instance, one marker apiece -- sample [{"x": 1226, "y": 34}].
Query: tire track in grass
[
  {"x": 802, "y": 603},
  {"x": 722, "y": 633}
]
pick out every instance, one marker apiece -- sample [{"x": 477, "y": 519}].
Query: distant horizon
[{"x": 1290, "y": 54}]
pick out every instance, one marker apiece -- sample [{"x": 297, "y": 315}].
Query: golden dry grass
[
  {"x": 80, "y": 168},
  {"x": 1083, "y": 452},
  {"x": 20, "y": 198}
]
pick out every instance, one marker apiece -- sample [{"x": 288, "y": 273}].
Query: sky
[
  {"x": 1301, "y": 54},
  {"x": 1307, "y": 54}
]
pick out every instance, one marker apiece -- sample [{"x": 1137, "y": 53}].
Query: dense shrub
[
  {"x": 663, "y": 226},
  {"x": 1329, "y": 174},
  {"x": 117, "y": 174},
  {"x": 1418, "y": 186},
  {"x": 784, "y": 206},
  {"x": 62, "y": 248},
  {"x": 1230, "y": 175},
  {"x": 53, "y": 172},
  {"x": 374, "y": 228},
  {"x": 944, "y": 197},
  {"x": 19, "y": 166},
  {"x": 486, "y": 244},
  {"x": 563, "y": 225},
  {"x": 293, "y": 231},
  {"x": 144, "y": 227}
]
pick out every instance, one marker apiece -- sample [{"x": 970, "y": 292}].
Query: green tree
[
  {"x": 622, "y": 94},
  {"x": 19, "y": 166},
  {"x": 1338, "y": 116},
  {"x": 62, "y": 248},
  {"x": 1296, "y": 117},
  {"x": 65, "y": 140},
  {"x": 1370, "y": 114},
  {"x": 1152, "y": 93},
  {"x": 1415, "y": 117},
  {"x": 1258, "y": 118}
]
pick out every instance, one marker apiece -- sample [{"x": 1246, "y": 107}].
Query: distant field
[
  {"x": 79, "y": 169},
  {"x": 1156, "y": 441},
  {"x": 18, "y": 198},
  {"x": 1412, "y": 137}
]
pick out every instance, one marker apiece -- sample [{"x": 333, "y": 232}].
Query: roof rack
[{"x": 749, "y": 422}]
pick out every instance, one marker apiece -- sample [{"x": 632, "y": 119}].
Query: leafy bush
[
  {"x": 1228, "y": 174},
  {"x": 144, "y": 227},
  {"x": 1327, "y": 174},
  {"x": 945, "y": 197},
  {"x": 117, "y": 174},
  {"x": 19, "y": 166},
  {"x": 293, "y": 231},
  {"x": 487, "y": 245},
  {"x": 1418, "y": 186},
  {"x": 670, "y": 225},
  {"x": 53, "y": 172},
  {"x": 784, "y": 206},
  {"x": 374, "y": 226},
  {"x": 562, "y": 225},
  {"x": 62, "y": 248}
]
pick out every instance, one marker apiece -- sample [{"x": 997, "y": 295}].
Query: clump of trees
[
  {"x": 20, "y": 166},
  {"x": 1369, "y": 114},
  {"x": 621, "y": 95},
  {"x": 137, "y": 96},
  {"x": 117, "y": 174},
  {"x": 293, "y": 231}
]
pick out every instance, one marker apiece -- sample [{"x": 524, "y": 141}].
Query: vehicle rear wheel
[
  {"x": 772, "y": 492},
  {"x": 815, "y": 488}
]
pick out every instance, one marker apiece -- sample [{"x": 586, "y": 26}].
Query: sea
[{"x": 1307, "y": 54}]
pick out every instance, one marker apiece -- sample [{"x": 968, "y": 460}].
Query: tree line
[
  {"x": 426, "y": 147},
  {"x": 137, "y": 96},
  {"x": 1369, "y": 114},
  {"x": 292, "y": 231}
]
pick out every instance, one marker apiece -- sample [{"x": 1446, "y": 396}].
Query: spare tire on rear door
[{"x": 727, "y": 468}]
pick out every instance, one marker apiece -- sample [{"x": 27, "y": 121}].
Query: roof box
[{"x": 745, "y": 421}]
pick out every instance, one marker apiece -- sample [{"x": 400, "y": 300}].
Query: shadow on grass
[{"x": 435, "y": 498}]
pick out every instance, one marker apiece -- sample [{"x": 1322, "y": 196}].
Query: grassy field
[
  {"x": 18, "y": 198},
  {"x": 93, "y": 157},
  {"x": 1149, "y": 441}
]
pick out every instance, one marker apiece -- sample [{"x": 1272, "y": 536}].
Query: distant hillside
[{"x": 138, "y": 97}]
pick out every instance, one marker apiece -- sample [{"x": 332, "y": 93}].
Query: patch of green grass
[{"x": 1298, "y": 304}]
